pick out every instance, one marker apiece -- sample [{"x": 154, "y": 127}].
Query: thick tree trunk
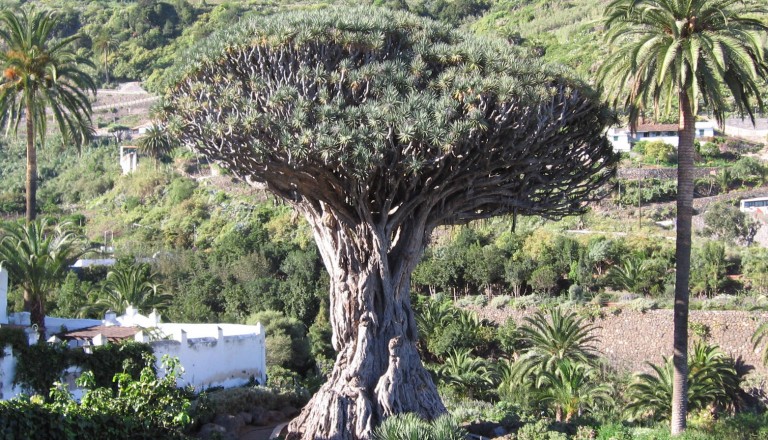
[
  {"x": 685, "y": 152},
  {"x": 31, "y": 166},
  {"x": 378, "y": 371}
]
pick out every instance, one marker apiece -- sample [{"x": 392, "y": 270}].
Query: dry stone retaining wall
[
  {"x": 661, "y": 173},
  {"x": 629, "y": 339}
]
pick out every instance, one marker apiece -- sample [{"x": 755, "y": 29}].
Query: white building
[
  {"x": 623, "y": 140},
  {"x": 225, "y": 355}
]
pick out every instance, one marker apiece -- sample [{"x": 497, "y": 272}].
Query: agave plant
[
  {"x": 712, "y": 380},
  {"x": 410, "y": 426}
]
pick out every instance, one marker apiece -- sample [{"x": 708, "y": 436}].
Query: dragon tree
[{"x": 378, "y": 127}]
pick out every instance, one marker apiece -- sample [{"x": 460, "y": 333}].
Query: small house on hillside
[{"x": 623, "y": 139}]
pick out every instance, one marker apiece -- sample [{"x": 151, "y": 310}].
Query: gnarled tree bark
[{"x": 378, "y": 371}]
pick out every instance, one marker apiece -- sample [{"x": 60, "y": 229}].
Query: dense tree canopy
[{"x": 379, "y": 127}]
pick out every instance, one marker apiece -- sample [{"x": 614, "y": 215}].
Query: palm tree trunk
[
  {"x": 31, "y": 165},
  {"x": 685, "y": 152}
]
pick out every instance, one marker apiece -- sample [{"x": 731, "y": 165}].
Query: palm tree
[
  {"x": 130, "y": 286},
  {"x": 37, "y": 259},
  {"x": 466, "y": 374},
  {"x": 571, "y": 388},
  {"x": 42, "y": 76},
  {"x": 155, "y": 143},
  {"x": 712, "y": 379},
  {"x": 678, "y": 53},
  {"x": 550, "y": 340},
  {"x": 757, "y": 338},
  {"x": 105, "y": 43}
]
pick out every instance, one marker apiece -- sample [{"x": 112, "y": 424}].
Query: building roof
[{"x": 111, "y": 333}]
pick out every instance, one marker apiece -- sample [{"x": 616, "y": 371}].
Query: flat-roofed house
[{"x": 623, "y": 139}]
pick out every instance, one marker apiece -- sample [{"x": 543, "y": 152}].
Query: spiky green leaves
[
  {"x": 375, "y": 108},
  {"x": 702, "y": 47}
]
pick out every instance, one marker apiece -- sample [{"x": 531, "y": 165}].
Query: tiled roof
[{"x": 112, "y": 333}]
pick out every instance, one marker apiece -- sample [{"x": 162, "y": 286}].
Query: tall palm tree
[
  {"x": 105, "y": 43},
  {"x": 42, "y": 77},
  {"x": 37, "y": 259},
  {"x": 678, "y": 53}
]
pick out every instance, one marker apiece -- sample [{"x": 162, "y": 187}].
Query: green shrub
[
  {"x": 539, "y": 431},
  {"x": 410, "y": 426},
  {"x": 501, "y": 301},
  {"x": 148, "y": 408}
]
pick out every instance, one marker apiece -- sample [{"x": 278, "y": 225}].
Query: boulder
[
  {"x": 231, "y": 423},
  {"x": 290, "y": 412}
]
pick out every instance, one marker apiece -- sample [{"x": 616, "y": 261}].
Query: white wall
[
  {"x": 224, "y": 355},
  {"x": 3, "y": 296},
  {"x": 7, "y": 371}
]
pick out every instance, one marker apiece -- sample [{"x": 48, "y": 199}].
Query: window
[
  {"x": 701, "y": 132},
  {"x": 615, "y": 138}
]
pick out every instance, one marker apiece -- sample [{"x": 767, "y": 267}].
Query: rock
[
  {"x": 229, "y": 422},
  {"x": 210, "y": 430},
  {"x": 247, "y": 417},
  {"x": 258, "y": 415},
  {"x": 486, "y": 429},
  {"x": 499, "y": 431},
  {"x": 290, "y": 412},
  {"x": 273, "y": 417}
]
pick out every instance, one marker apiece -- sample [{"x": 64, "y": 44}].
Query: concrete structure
[
  {"x": 211, "y": 354},
  {"x": 623, "y": 140},
  {"x": 743, "y": 128},
  {"x": 129, "y": 158}
]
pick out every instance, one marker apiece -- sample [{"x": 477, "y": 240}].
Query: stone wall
[
  {"x": 630, "y": 339},
  {"x": 661, "y": 173}
]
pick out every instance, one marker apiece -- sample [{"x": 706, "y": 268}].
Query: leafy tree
[
  {"x": 708, "y": 268},
  {"x": 748, "y": 169},
  {"x": 755, "y": 267},
  {"x": 378, "y": 127},
  {"x": 675, "y": 53},
  {"x": 724, "y": 221},
  {"x": 544, "y": 279},
  {"x": 41, "y": 76},
  {"x": 37, "y": 259},
  {"x": 659, "y": 152},
  {"x": 286, "y": 337}
]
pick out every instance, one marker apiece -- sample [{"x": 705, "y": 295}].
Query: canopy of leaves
[{"x": 393, "y": 112}]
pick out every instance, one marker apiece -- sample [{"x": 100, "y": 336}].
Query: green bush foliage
[{"x": 147, "y": 408}]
